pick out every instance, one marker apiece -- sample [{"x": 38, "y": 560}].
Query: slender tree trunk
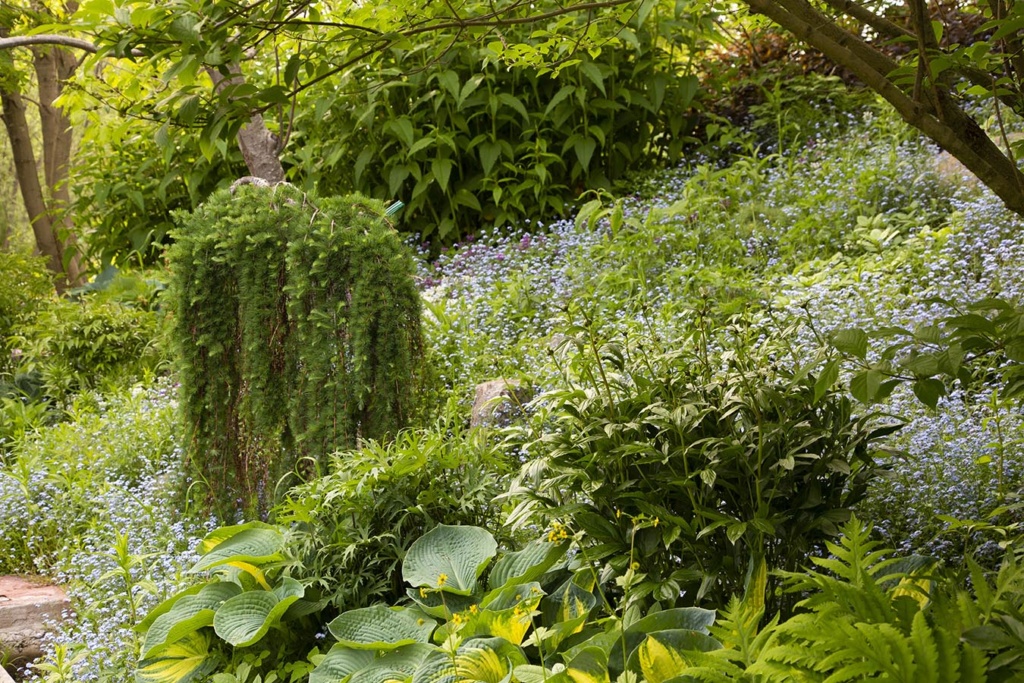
[
  {"x": 54, "y": 66},
  {"x": 27, "y": 172}
]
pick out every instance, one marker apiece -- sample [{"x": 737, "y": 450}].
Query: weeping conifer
[{"x": 297, "y": 330}]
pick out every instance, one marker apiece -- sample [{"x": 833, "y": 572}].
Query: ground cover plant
[{"x": 682, "y": 343}]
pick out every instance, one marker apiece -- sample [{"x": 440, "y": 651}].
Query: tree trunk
[
  {"x": 258, "y": 145},
  {"x": 936, "y": 114},
  {"x": 27, "y": 172},
  {"x": 54, "y": 66}
]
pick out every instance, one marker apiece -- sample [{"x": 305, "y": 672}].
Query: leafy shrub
[
  {"x": 75, "y": 346},
  {"x": 27, "y": 286},
  {"x": 467, "y": 143},
  {"x": 296, "y": 327},
  {"x": 685, "y": 467},
  {"x": 351, "y": 527}
]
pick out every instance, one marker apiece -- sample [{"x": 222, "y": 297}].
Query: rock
[
  {"x": 26, "y": 605},
  {"x": 497, "y": 402},
  {"x": 5, "y": 677}
]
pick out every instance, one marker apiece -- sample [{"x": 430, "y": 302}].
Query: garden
[{"x": 754, "y": 345}]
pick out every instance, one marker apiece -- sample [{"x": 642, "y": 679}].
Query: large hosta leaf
[
  {"x": 436, "y": 667},
  {"x": 397, "y": 665},
  {"x": 449, "y": 557},
  {"x": 381, "y": 628},
  {"x": 221, "y": 534},
  {"x": 185, "y": 661},
  {"x": 680, "y": 618},
  {"x": 527, "y": 564},
  {"x": 189, "y": 613},
  {"x": 509, "y": 613},
  {"x": 489, "y": 660},
  {"x": 441, "y": 605},
  {"x": 250, "y": 545},
  {"x": 339, "y": 663},
  {"x": 662, "y": 654},
  {"x": 245, "y": 618},
  {"x": 589, "y": 666}
]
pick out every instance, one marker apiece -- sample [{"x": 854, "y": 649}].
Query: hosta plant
[
  {"x": 246, "y": 597},
  {"x": 538, "y": 615}
]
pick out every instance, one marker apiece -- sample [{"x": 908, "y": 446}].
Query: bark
[
  {"x": 27, "y": 172},
  {"x": 258, "y": 145},
  {"x": 940, "y": 118},
  {"x": 53, "y": 68}
]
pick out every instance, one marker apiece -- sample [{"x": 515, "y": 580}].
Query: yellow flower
[
  {"x": 423, "y": 592},
  {"x": 442, "y": 579},
  {"x": 635, "y": 566},
  {"x": 618, "y": 513},
  {"x": 655, "y": 521},
  {"x": 474, "y": 609}
]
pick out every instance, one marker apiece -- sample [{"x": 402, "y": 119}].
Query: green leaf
[
  {"x": 436, "y": 667},
  {"x": 185, "y": 661},
  {"x": 527, "y": 564},
  {"x": 590, "y": 665},
  {"x": 490, "y": 660},
  {"x": 339, "y": 662},
  {"x": 680, "y": 618},
  {"x": 397, "y": 665},
  {"x": 252, "y": 545},
  {"x": 442, "y": 170},
  {"x": 929, "y": 391},
  {"x": 381, "y": 628},
  {"x": 662, "y": 655},
  {"x": 584, "y": 148},
  {"x": 188, "y": 614},
  {"x": 864, "y": 385},
  {"x": 593, "y": 74},
  {"x": 852, "y": 341},
  {"x": 511, "y": 100},
  {"x": 244, "y": 619},
  {"x": 826, "y": 380},
  {"x": 489, "y": 152},
  {"x": 402, "y": 129},
  {"x": 449, "y": 557}
]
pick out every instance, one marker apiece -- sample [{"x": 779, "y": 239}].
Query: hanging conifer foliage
[{"x": 297, "y": 327}]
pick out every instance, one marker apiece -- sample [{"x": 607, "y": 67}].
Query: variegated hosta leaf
[
  {"x": 186, "y": 661},
  {"x": 679, "y": 618},
  {"x": 340, "y": 662},
  {"x": 450, "y": 558},
  {"x": 381, "y": 628},
  {"x": 249, "y": 545},
  {"x": 489, "y": 660},
  {"x": 527, "y": 564},
  {"x": 398, "y": 665},
  {"x": 589, "y": 666},
  {"x": 532, "y": 673},
  {"x": 245, "y": 618},
  {"x": 662, "y": 654},
  {"x": 569, "y": 601},
  {"x": 166, "y": 606},
  {"x": 436, "y": 667},
  {"x": 508, "y": 614},
  {"x": 188, "y": 614}
]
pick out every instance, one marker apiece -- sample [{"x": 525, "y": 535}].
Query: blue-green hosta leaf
[
  {"x": 680, "y": 618},
  {"x": 662, "y": 654},
  {"x": 340, "y": 662},
  {"x": 253, "y": 546},
  {"x": 245, "y": 618},
  {"x": 166, "y": 606},
  {"x": 439, "y": 605},
  {"x": 449, "y": 557},
  {"x": 436, "y": 667},
  {"x": 190, "y": 613},
  {"x": 397, "y": 665},
  {"x": 526, "y": 564},
  {"x": 221, "y": 534},
  {"x": 381, "y": 628},
  {"x": 185, "y": 661},
  {"x": 490, "y": 660}
]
